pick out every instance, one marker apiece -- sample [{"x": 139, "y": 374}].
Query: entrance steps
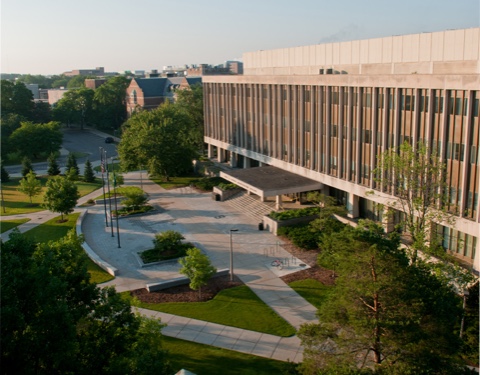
[{"x": 251, "y": 205}]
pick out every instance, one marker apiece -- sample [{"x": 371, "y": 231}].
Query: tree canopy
[
  {"x": 32, "y": 140},
  {"x": 161, "y": 140},
  {"x": 54, "y": 321},
  {"x": 191, "y": 101},
  {"x": 61, "y": 195},
  {"x": 384, "y": 314},
  {"x": 16, "y": 99}
]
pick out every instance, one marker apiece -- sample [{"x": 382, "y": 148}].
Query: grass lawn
[
  {"x": 53, "y": 231},
  {"x": 19, "y": 203},
  {"x": 236, "y": 307},
  {"x": 205, "y": 359},
  {"x": 312, "y": 290},
  {"x": 10, "y": 224}
]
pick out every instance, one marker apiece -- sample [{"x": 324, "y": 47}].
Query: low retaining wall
[
  {"x": 152, "y": 287},
  {"x": 272, "y": 225},
  {"x": 225, "y": 194},
  {"x": 91, "y": 254}
]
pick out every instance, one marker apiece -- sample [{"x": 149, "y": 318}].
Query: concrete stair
[{"x": 250, "y": 205}]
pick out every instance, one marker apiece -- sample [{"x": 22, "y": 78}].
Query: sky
[{"x": 53, "y": 36}]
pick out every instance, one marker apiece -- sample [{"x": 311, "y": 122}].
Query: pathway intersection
[{"x": 207, "y": 224}]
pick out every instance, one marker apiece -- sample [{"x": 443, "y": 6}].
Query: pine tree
[
  {"x": 4, "y": 177},
  {"x": 88, "y": 175},
  {"x": 72, "y": 163},
  {"x": 26, "y": 166},
  {"x": 53, "y": 168}
]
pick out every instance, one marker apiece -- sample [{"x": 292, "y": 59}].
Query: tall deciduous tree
[
  {"x": 16, "y": 99},
  {"x": 76, "y": 107},
  {"x": 54, "y": 321},
  {"x": 30, "y": 186},
  {"x": 109, "y": 103},
  {"x": 191, "y": 101},
  {"x": 61, "y": 195},
  {"x": 8, "y": 124},
  {"x": 383, "y": 313},
  {"x": 197, "y": 267},
  {"x": 160, "y": 140},
  {"x": 32, "y": 140},
  {"x": 416, "y": 177}
]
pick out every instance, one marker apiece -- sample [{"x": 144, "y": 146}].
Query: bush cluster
[
  {"x": 226, "y": 186},
  {"x": 208, "y": 183},
  {"x": 302, "y": 236},
  {"x": 293, "y": 214}
]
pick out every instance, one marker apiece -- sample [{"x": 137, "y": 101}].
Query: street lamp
[{"x": 231, "y": 253}]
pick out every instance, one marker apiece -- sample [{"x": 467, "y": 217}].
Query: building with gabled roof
[{"x": 149, "y": 93}]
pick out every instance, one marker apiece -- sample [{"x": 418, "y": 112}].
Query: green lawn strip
[
  {"x": 312, "y": 290},
  {"x": 10, "y": 224},
  {"x": 175, "y": 182},
  {"x": 205, "y": 359},
  {"x": 18, "y": 203},
  {"x": 53, "y": 231},
  {"x": 236, "y": 307}
]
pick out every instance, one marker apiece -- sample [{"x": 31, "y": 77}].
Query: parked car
[{"x": 109, "y": 140}]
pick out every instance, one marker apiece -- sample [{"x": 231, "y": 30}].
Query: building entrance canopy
[{"x": 270, "y": 181}]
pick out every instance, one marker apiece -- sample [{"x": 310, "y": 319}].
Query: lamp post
[
  {"x": 102, "y": 166},
  {"x": 231, "y": 253},
  {"x": 109, "y": 194}
]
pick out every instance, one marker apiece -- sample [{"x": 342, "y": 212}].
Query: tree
[
  {"x": 71, "y": 174},
  {"x": 197, "y": 267},
  {"x": 383, "y": 313},
  {"x": 53, "y": 168},
  {"x": 76, "y": 106},
  {"x": 9, "y": 123},
  {"x": 55, "y": 321},
  {"x": 30, "y": 186},
  {"x": 4, "y": 175},
  {"x": 416, "y": 177},
  {"x": 32, "y": 140},
  {"x": 109, "y": 103},
  {"x": 16, "y": 99},
  {"x": 72, "y": 163},
  {"x": 88, "y": 174},
  {"x": 191, "y": 101},
  {"x": 41, "y": 112},
  {"x": 160, "y": 140},
  {"x": 168, "y": 241},
  {"x": 26, "y": 166},
  {"x": 61, "y": 195}
]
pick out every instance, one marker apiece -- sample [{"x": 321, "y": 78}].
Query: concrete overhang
[{"x": 270, "y": 181}]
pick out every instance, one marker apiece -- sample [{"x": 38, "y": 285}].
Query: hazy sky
[{"x": 53, "y": 36}]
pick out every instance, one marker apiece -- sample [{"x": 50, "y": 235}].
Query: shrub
[
  {"x": 134, "y": 197},
  {"x": 26, "y": 166},
  {"x": 207, "y": 183},
  {"x": 167, "y": 241},
  {"x": 225, "y": 186},
  {"x": 302, "y": 236},
  {"x": 293, "y": 214}
]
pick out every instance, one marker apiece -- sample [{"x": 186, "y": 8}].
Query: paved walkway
[{"x": 207, "y": 224}]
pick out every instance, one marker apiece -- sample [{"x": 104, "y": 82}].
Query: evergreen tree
[
  {"x": 72, "y": 163},
  {"x": 26, "y": 166},
  {"x": 4, "y": 177},
  {"x": 53, "y": 168},
  {"x": 88, "y": 175}
]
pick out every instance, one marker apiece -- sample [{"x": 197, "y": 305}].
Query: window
[
  {"x": 307, "y": 125},
  {"x": 367, "y": 136},
  {"x": 333, "y": 130}
]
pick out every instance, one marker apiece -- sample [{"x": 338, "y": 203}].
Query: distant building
[
  {"x": 149, "y": 93},
  {"x": 207, "y": 70},
  {"x": 94, "y": 83},
  {"x": 326, "y": 112},
  {"x": 100, "y": 71},
  {"x": 234, "y": 67},
  {"x": 33, "y": 87},
  {"x": 54, "y": 95}
]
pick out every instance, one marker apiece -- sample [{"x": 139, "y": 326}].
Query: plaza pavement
[{"x": 205, "y": 223}]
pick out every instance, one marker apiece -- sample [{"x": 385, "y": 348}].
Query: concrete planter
[
  {"x": 225, "y": 194},
  {"x": 272, "y": 225}
]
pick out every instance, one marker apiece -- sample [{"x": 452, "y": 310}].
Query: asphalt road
[{"x": 76, "y": 140}]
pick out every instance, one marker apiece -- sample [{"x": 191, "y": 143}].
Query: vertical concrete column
[
  {"x": 328, "y": 125},
  {"x": 210, "y": 152},
  {"x": 359, "y": 125},
  {"x": 340, "y": 162},
  {"x": 465, "y": 165},
  {"x": 387, "y": 220},
  {"x": 348, "y": 163},
  {"x": 233, "y": 159},
  {"x": 246, "y": 162},
  {"x": 278, "y": 202},
  {"x": 353, "y": 205},
  {"x": 373, "y": 151},
  {"x": 220, "y": 155}
]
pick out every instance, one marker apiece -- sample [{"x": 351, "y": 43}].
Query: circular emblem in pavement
[{"x": 219, "y": 216}]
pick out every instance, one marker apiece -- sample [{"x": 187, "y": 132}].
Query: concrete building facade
[{"x": 327, "y": 112}]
